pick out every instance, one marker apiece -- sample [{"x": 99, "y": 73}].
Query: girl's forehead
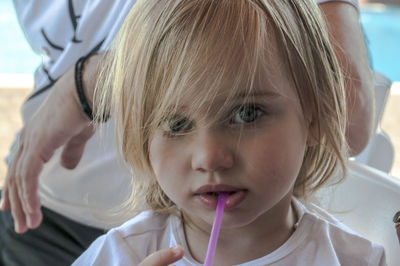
[
  {"x": 242, "y": 72},
  {"x": 271, "y": 79}
]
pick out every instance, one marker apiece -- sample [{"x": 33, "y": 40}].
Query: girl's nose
[{"x": 212, "y": 152}]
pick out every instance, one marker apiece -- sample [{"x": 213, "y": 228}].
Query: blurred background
[{"x": 380, "y": 21}]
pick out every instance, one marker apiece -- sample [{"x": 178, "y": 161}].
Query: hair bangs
[{"x": 210, "y": 45}]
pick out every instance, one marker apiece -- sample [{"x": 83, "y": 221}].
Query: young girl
[{"x": 243, "y": 97}]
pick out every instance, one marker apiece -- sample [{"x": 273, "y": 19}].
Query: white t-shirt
[
  {"x": 63, "y": 31},
  {"x": 316, "y": 241}
]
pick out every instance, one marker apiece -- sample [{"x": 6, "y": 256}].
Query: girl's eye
[
  {"x": 246, "y": 114},
  {"x": 177, "y": 125}
]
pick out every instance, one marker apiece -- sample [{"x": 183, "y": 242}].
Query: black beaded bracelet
[{"x": 79, "y": 86}]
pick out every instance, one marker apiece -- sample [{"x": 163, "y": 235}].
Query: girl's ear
[{"x": 314, "y": 134}]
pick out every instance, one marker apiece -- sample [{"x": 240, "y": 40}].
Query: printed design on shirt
[
  {"x": 52, "y": 45},
  {"x": 74, "y": 20},
  {"x": 52, "y": 81},
  {"x": 49, "y": 78},
  {"x": 49, "y": 42}
]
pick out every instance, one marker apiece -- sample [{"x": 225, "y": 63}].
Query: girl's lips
[{"x": 210, "y": 199}]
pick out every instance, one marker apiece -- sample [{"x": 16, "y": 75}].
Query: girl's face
[{"x": 254, "y": 152}]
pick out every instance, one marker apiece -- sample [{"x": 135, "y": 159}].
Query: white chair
[
  {"x": 366, "y": 202},
  {"x": 379, "y": 152}
]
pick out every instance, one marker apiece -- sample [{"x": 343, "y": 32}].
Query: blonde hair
[{"x": 166, "y": 48}]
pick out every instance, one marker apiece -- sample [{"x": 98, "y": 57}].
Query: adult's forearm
[{"x": 346, "y": 36}]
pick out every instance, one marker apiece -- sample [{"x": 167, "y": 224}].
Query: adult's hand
[
  {"x": 59, "y": 121},
  {"x": 163, "y": 257}
]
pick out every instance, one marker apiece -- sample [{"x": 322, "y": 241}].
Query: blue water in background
[
  {"x": 16, "y": 56},
  {"x": 381, "y": 27}
]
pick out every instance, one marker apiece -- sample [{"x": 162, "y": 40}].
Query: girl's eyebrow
[{"x": 259, "y": 93}]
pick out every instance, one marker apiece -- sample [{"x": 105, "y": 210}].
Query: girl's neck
[{"x": 264, "y": 235}]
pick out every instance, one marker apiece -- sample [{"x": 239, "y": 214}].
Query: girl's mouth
[{"x": 208, "y": 195}]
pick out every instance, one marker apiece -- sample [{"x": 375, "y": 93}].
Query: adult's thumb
[{"x": 74, "y": 148}]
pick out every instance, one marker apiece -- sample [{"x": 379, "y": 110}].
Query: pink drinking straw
[{"x": 212, "y": 244}]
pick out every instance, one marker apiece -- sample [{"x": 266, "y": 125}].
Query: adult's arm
[
  {"x": 345, "y": 33},
  {"x": 59, "y": 121}
]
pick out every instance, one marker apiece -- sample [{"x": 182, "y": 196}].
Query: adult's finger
[
  {"x": 5, "y": 204},
  {"x": 29, "y": 181},
  {"x": 24, "y": 171},
  {"x": 163, "y": 257},
  {"x": 17, "y": 211}
]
